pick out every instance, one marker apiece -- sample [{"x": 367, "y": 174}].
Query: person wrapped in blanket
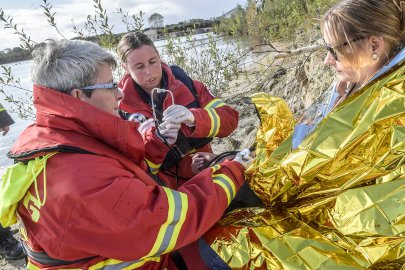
[{"x": 334, "y": 182}]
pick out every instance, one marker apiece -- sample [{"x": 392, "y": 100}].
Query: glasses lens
[
  {"x": 332, "y": 52},
  {"x": 116, "y": 89}
]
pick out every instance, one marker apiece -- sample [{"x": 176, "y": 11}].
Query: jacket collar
[
  {"x": 61, "y": 114},
  {"x": 135, "y": 101}
]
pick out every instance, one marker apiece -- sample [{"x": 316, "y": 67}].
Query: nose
[
  {"x": 146, "y": 70},
  {"x": 119, "y": 95},
  {"x": 329, "y": 60}
]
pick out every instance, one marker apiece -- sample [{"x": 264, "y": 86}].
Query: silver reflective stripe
[
  {"x": 170, "y": 228},
  {"x": 216, "y": 104},
  {"x": 215, "y": 124},
  {"x": 166, "y": 238},
  {"x": 226, "y": 183},
  {"x": 43, "y": 258}
]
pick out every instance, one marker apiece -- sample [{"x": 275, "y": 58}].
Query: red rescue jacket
[
  {"x": 94, "y": 199},
  {"x": 213, "y": 119}
]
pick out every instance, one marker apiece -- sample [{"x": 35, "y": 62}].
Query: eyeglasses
[
  {"x": 112, "y": 86},
  {"x": 332, "y": 49}
]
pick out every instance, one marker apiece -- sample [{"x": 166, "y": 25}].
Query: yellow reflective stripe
[
  {"x": 31, "y": 266},
  {"x": 180, "y": 216},
  {"x": 169, "y": 231},
  {"x": 2, "y": 109},
  {"x": 215, "y": 168},
  {"x": 154, "y": 168},
  {"x": 227, "y": 184},
  {"x": 215, "y": 122},
  {"x": 167, "y": 236},
  {"x": 215, "y": 103},
  {"x": 111, "y": 264}
]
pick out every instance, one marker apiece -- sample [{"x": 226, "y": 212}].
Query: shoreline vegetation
[
  {"x": 198, "y": 26},
  {"x": 278, "y": 27}
]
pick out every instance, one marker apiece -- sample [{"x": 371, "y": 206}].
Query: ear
[
  {"x": 377, "y": 44},
  {"x": 125, "y": 66},
  {"x": 77, "y": 93}
]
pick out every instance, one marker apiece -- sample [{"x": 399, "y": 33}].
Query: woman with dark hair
[{"x": 199, "y": 114}]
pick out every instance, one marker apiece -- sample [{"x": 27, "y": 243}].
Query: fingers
[
  {"x": 197, "y": 162},
  {"x": 143, "y": 127},
  {"x": 169, "y": 128},
  {"x": 5, "y": 130},
  {"x": 170, "y": 141},
  {"x": 169, "y": 131},
  {"x": 177, "y": 114},
  {"x": 244, "y": 158},
  {"x": 171, "y": 111},
  {"x": 170, "y": 125}
]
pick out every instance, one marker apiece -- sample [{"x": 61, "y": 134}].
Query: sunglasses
[
  {"x": 332, "y": 50},
  {"x": 113, "y": 86}
]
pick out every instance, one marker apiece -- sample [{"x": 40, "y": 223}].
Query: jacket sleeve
[
  {"x": 156, "y": 150},
  {"x": 5, "y": 118},
  {"x": 128, "y": 219},
  {"x": 214, "y": 118}
]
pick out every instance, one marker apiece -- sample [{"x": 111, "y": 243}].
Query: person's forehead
[
  {"x": 104, "y": 73},
  {"x": 145, "y": 52},
  {"x": 331, "y": 37}
]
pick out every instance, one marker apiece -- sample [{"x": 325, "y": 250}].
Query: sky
[{"x": 29, "y": 15}]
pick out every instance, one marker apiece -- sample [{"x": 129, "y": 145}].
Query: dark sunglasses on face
[{"x": 332, "y": 49}]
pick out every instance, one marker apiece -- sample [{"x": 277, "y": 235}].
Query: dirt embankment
[{"x": 299, "y": 80}]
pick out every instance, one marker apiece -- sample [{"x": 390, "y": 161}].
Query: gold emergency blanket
[{"x": 337, "y": 201}]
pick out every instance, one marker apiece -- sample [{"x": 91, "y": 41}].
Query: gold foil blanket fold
[{"x": 337, "y": 201}]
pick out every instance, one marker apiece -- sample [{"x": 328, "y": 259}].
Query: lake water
[{"x": 22, "y": 71}]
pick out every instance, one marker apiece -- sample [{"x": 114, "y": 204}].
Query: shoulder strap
[{"x": 182, "y": 76}]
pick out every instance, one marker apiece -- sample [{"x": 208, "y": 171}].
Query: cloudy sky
[{"x": 29, "y": 15}]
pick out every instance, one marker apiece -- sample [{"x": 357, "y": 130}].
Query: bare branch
[
  {"x": 289, "y": 53},
  {"x": 26, "y": 41},
  {"x": 51, "y": 16}
]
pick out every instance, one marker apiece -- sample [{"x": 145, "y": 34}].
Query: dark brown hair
[{"x": 131, "y": 41}]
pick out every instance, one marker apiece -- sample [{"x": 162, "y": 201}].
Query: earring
[{"x": 375, "y": 57}]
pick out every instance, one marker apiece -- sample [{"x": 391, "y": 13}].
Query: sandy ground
[{"x": 298, "y": 81}]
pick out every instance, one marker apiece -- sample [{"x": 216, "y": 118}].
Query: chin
[{"x": 344, "y": 78}]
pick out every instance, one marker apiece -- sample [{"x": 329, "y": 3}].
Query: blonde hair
[{"x": 351, "y": 19}]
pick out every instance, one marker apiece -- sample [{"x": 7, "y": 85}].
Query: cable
[
  {"x": 178, "y": 157},
  {"x": 159, "y": 90},
  {"x": 216, "y": 159}
]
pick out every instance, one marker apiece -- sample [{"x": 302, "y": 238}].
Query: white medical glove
[
  {"x": 179, "y": 114},
  {"x": 244, "y": 158},
  {"x": 143, "y": 127},
  {"x": 169, "y": 131}
]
